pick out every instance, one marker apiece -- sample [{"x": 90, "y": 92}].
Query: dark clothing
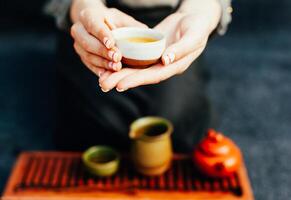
[{"x": 87, "y": 116}]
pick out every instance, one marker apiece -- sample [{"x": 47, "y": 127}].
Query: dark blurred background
[{"x": 250, "y": 87}]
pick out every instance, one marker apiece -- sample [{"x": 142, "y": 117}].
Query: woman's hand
[
  {"x": 91, "y": 31},
  {"x": 187, "y": 33}
]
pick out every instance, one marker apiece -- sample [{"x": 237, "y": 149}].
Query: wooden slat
[{"x": 60, "y": 175}]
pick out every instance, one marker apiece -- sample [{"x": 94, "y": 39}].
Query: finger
[
  {"x": 95, "y": 25},
  {"x": 97, "y": 60},
  {"x": 157, "y": 73},
  {"x": 121, "y": 19},
  {"x": 92, "y": 45},
  {"x": 96, "y": 70},
  {"x": 102, "y": 78},
  {"x": 111, "y": 81},
  {"x": 109, "y": 22},
  {"x": 186, "y": 45},
  {"x": 151, "y": 75}
]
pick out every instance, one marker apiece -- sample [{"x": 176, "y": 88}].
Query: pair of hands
[{"x": 187, "y": 35}]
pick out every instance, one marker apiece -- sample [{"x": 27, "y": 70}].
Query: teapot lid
[{"x": 216, "y": 144}]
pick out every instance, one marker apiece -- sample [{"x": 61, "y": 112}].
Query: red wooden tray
[{"x": 61, "y": 176}]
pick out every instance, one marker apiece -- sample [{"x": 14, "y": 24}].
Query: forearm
[
  {"x": 210, "y": 8},
  {"x": 79, "y": 5}
]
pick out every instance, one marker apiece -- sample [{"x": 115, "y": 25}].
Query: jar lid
[{"x": 216, "y": 144}]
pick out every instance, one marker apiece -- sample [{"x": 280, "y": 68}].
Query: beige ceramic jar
[{"x": 151, "y": 147}]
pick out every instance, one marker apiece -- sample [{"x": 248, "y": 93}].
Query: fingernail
[
  {"x": 104, "y": 90},
  {"x": 121, "y": 89},
  {"x": 115, "y": 56},
  {"x": 107, "y": 42},
  {"x": 100, "y": 73},
  {"x": 166, "y": 60},
  {"x": 171, "y": 57},
  {"x": 111, "y": 55},
  {"x": 111, "y": 65},
  {"x": 115, "y": 66}
]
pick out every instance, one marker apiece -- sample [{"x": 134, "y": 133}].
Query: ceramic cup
[
  {"x": 139, "y": 54},
  {"x": 151, "y": 146},
  {"x": 101, "y": 160}
]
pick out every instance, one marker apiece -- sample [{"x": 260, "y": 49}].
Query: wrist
[
  {"x": 79, "y": 5},
  {"x": 210, "y": 10}
]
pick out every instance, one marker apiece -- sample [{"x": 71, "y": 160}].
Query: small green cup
[{"x": 101, "y": 160}]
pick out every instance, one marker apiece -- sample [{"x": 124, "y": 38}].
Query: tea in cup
[
  {"x": 141, "y": 39},
  {"x": 140, "y": 47}
]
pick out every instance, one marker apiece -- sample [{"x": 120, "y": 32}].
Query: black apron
[{"x": 86, "y": 116}]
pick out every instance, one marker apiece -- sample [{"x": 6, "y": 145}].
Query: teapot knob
[{"x": 214, "y": 136}]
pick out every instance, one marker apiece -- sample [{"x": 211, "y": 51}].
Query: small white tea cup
[{"x": 139, "y": 54}]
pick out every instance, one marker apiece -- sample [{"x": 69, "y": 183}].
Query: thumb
[
  {"x": 186, "y": 45},
  {"x": 133, "y": 22}
]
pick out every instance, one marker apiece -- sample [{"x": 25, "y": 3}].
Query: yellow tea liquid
[{"x": 141, "y": 39}]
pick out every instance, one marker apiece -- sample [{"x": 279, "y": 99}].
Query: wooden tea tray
[{"x": 61, "y": 176}]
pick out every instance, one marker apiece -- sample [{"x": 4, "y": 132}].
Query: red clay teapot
[{"x": 217, "y": 155}]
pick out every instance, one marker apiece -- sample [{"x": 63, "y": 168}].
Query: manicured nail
[
  {"x": 121, "y": 89},
  {"x": 116, "y": 56},
  {"x": 166, "y": 60},
  {"x": 104, "y": 90},
  {"x": 111, "y": 65},
  {"x": 171, "y": 57},
  {"x": 111, "y": 54},
  {"x": 100, "y": 73},
  {"x": 107, "y": 42},
  {"x": 115, "y": 66}
]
